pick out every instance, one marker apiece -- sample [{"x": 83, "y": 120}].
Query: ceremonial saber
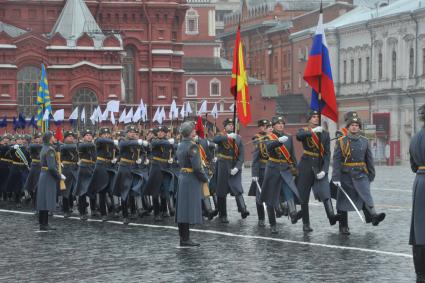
[
  {"x": 351, "y": 201},
  {"x": 259, "y": 189}
]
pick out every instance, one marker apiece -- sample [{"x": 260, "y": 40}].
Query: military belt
[
  {"x": 64, "y": 162},
  {"x": 45, "y": 168},
  {"x": 127, "y": 161},
  {"x": 103, "y": 159},
  {"x": 223, "y": 156},
  {"x": 160, "y": 159},
  {"x": 263, "y": 161},
  {"x": 186, "y": 170},
  {"x": 17, "y": 163},
  {"x": 277, "y": 160},
  {"x": 35, "y": 161},
  {"x": 421, "y": 168},
  {"x": 354, "y": 164},
  {"x": 310, "y": 153},
  {"x": 87, "y": 161},
  {"x": 6, "y": 160}
]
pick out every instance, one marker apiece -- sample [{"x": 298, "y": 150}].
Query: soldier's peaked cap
[
  {"x": 277, "y": 119},
  {"x": 104, "y": 130},
  {"x": 86, "y": 132},
  {"x": 263, "y": 122},
  {"x": 131, "y": 128},
  {"x": 227, "y": 122}
]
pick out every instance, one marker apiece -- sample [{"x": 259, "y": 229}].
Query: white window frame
[
  {"x": 192, "y": 14},
  {"x": 215, "y": 81},
  {"x": 191, "y": 81}
]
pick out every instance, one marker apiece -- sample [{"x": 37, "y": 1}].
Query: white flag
[
  {"x": 83, "y": 115},
  {"x": 161, "y": 115},
  {"x": 183, "y": 112},
  {"x": 156, "y": 116},
  {"x": 104, "y": 116},
  {"x": 145, "y": 113},
  {"x": 129, "y": 116},
  {"x": 137, "y": 114},
  {"x": 122, "y": 117},
  {"x": 203, "y": 108},
  {"x": 214, "y": 111},
  {"x": 188, "y": 109},
  {"x": 96, "y": 115},
  {"x": 112, "y": 118},
  {"x": 46, "y": 115},
  {"x": 113, "y": 106},
  {"x": 59, "y": 115},
  {"x": 74, "y": 114},
  {"x": 232, "y": 107},
  {"x": 174, "y": 111}
]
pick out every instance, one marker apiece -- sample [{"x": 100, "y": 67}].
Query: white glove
[
  {"x": 139, "y": 161},
  {"x": 63, "y": 177},
  {"x": 337, "y": 183},
  {"x": 214, "y": 159},
  {"x": 170, "y": 161},
  {"x": 196, "y": 138},
  {"x": 255, "y": 179},
  {"x": 113, "y": 161},
  {"x": 146, "y": 162},
  {"x": 16, "y": 146},
  {"x": 320, "y": 175},
  {"x": 234, "y": 171},
  {"x": 232, "y": 136},
  {"x": 318, "y": 129},
  {"x": 283, "y": 139},
  {"x": 171, "y": 141},
  {"x": 116, "y": 142},
  {"x": 145, "y": 143},
  {"x": 140, "y": 141}
]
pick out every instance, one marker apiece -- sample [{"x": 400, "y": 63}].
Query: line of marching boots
[{"x": 221, "y": 207}]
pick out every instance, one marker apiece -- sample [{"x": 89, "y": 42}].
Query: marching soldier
[
  {"x": 279, "y": 174},
  {"x": 30, "y": 187},
  {"x": 87, "y": 157},
  {"x": 103, "y": 173},
  {"x": 129, "y": 160},
  {"x": 47, "y": 183},
  {"x": 417, "y": 228},
  {"x": 69, "y": 158},
  {"x": 354, "y": 170},
  {"x": 4, "y": 164},
  {"x": 192, "y": 176},
  {"x": 159, "y": 179},
  {"x": 313, "y": 169},
  {"x": 259, "y": 161},
  {"x": 229, "y": 170}
]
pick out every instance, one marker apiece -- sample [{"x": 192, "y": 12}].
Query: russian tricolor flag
[{"x": 318, "y": 75}]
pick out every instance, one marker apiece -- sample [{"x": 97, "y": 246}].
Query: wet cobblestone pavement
[{"x": 240, "y": 251}]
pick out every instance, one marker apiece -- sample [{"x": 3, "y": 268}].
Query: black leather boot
[
  {"x": 333, "y": 218},
  {"x": 293, "y": 214},
  {"x": 171, "y": 206},
  {"x": 208, "y": 212},
  {"x": 419, "y": 262},
  {"x": 376, "y": 217},
  {"x": 222, "y": 210},
  {"x": 186, "y": 241},
  {"x": 261, "y": 214},
  {"x": 343, "y": 223},
  {"x": 306, "y": 218},
  {"x": 240, "y": 202},
  {"x": 272, "y": 219}
]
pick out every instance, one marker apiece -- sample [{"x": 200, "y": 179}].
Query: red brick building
[{"x": 92, "y": 51}]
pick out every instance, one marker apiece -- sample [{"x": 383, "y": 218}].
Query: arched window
[
  {"x": 191, "y": 87},
  {"x": 84, "y": 98},
  {"x": 380, "y": 66},
  {"x": 394, "y": 65},
  {"x": 411, "y": 62},
  {"x": 215, "y": 87},
  {"x": 28, "y": 78},
  {"x": 128, "y": 74},
  {"x": 192, "y": 22}
]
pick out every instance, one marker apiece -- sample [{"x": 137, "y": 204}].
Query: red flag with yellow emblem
[{"x": 239, "y": 83}]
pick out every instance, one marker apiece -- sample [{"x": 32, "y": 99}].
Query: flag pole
[
  {"x": 320, "y": 108},
  {"x": 236, "y": 93}
]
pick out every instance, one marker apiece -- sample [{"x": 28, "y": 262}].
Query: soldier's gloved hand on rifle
[
  {"x": 16, "y": 146},
  {"x": 146, "y": 162},
  {"x": 63, "y": 177},
  {"x": 171, "y": 141},
  {"x": 320, "y": 175},
  {"x": 170, "y": 161},
  {"x": 116, "y": 142},
  {"x": 318, "y": 129},
  {"x": 232, "y": 136},
  {"x": 255, "y": 179},
  {"x": 140, "y": 141},
  {"x": 139, "y": 161},
  {"x": 145, "y": 143},
  {"x": 214, "y": 160},
  {"x": 113, "y": 161},
  {"x": 283, "y": 139},
  {"x": 196, "y": 138},
  {"x": 337, "y": 183},
  {"x": 234, "y": 171}
]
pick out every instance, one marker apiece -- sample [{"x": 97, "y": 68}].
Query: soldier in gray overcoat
[
  {"x": 354, "y": 170},
  {"x": 87, "y": 159},
  {"x": 4, "y": 164},
  {"x": 230, "y": 158},
  {"x": 69, "y": 159},
  {"x": 279, "y": 174},
  {"x": 417, "y": 228},
  {"x": 48, "y": 181},
  {"x": 313, "y": 169},
  {"x": 191, "y": 178},
  {"x": 258, "y": 167},
  {"x": 34, "y": 149}
]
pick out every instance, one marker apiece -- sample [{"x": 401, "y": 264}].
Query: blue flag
[
  {"x": 21, "y": 121},
  {"x": 43, "y": 99},
  {"x": 15, "y": 124},
  {"x": 33, "y": 123},
  {"x": 3, "y": 124}
]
